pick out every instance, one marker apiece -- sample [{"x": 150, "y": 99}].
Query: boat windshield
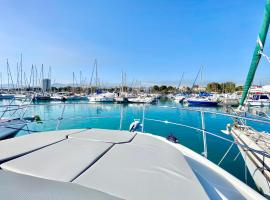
[{"x": 264, "y": 97}]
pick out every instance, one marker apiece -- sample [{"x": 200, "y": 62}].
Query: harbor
[
  {"x": 163, "y": 118},
  {"x": 135, "y": 100},
  {"x": 204, "y": 119}
]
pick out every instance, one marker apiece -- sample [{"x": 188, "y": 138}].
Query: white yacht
[
  {"x": 229, "y": 100},
  {"x": 142, "y": 99},
  {"x": 254, "y": 145},
  {"x": 57, "y": 97},
  {"x": 259, "y": 100},
  {"x": 110, "y": 164},
  {"x": 20, "y": 96},
  {"x": 179, "y": 98},
  {"x": 103, "y": 97},
  {"x": 70, "y": 96}
]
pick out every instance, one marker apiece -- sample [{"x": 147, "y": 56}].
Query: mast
[
  {"x": 202, "y": 75},
  {"x": 181, "y": 80},
  {"x": 36, "y": 79},
  {"x": 196, "y": 77},
  {"x": 41, "y": 75},
  {"x": 257, "y": 52},
  {"x": 125, "y": 82},
  {"x": 122, "y": 85},
  {"x": 1, "y": 81},
  {"x": 18, "y": 78},
  {"x": 91, "y": 79},
  {"x": 31, "y": 77},
  {"x": 80, "y": 78},
  {"x": 21, "y": 72},
  {"x": 73, "y": 82},
  {"x": 96, "y": 74},
  {"x": 8, "y": 75}
]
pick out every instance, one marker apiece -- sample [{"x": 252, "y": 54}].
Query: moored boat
[
  {"x": 6, "y": 96},
  {"x": 141, "y": 99},
  {"x": 179, "y": 98},
  {"x": 258, "y": 100},
  {"x": 121, "y": 99},
  {"x": 202, "y": 101},
  {"x": 229, "y": 100},
  {"x": 103, "y": 97},
  {"x": 42, "y": 97},
  {"x": 254, "y": 145}
]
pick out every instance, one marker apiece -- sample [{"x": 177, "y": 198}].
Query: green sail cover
[{"x": 257, "y": 52}]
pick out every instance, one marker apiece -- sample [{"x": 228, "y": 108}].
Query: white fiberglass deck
[{"x": 106, "y": 164}]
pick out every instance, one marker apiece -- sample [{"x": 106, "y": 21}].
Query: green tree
[
  {"x": 170, "y": 89},
  {"x": 239, "y": 88},
  {"x": 213, "y": 87},
  {"x": 163, "y": 88},
  {"x": 228, "y": 87},
  {"x": 156, "y": 88}
]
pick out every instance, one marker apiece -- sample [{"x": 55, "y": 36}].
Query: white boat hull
[
  {"x": 179, "y": 99},
  {"x": 258, "y": 103},
  {"x": 230, "y": 102},
  {"x": 141, "y": 100},
  {"x": 253, "y": 161},
  {"x": 100, "y": 99}
]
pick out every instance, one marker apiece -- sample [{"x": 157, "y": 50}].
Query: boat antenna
[{"x": 257, "y": 52}]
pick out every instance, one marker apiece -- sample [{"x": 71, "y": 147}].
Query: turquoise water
[{"x": 86, "y": 115}]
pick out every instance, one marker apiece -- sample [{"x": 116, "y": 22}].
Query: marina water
[{"x": 76, "y": 115}]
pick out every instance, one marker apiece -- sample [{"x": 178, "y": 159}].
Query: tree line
[{"x": 227, "y": 87}]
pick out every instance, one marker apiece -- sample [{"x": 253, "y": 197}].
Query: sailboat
[
  {"x": 179, "y": 98},
  {"x": 203, "y": 98},
  {"x": 254, "y": 146},
  {"x": 121, "y": 96},
  {"x": 99, "y": 96}
]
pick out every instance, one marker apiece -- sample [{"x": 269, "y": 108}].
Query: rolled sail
[{"x": 257, "y": 52}]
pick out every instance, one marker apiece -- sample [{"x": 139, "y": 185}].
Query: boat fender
[
  {"x": 134, "y": 125},
  {"x": 131, "y": 127},
  {"x": 229, "y": 128}
]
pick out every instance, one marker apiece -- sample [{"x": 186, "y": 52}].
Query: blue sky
[{"x": 153, "y": 41}]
